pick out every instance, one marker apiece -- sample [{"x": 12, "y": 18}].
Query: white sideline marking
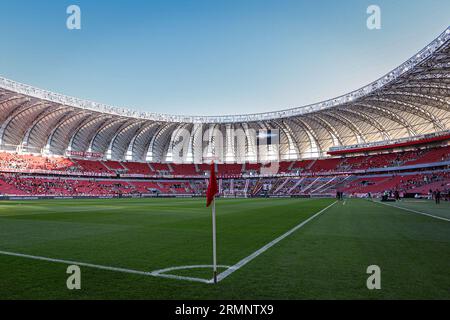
[
  {"x": 83, "y": 264},
  {"x": 415, "y": 211},
  {"x": 255, "y": 254},
  {"x": 109, "y": 268}
]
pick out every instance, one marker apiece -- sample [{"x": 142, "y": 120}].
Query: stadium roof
[{"x": 412, "y": 100}]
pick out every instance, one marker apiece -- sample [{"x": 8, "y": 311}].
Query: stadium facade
[{"x": 411, "y": 101}]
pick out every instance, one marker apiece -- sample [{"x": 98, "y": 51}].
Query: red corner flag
[
  {"x": 212, "y": 186},
  {"x": 212, "y": 191}
]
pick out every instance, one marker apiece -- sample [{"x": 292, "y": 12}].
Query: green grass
[
  {"x": 326, "y": 259},
  {"x": 426, "y": 206}
]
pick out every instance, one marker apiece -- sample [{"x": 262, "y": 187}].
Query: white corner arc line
[
  {"x": 163, "y": 273},
  {"x": 175, "y": 277},
  {"x": 415, "y": 211},
  {"x": 255, "y": 254},
  {"x": 199, "y": 266}
]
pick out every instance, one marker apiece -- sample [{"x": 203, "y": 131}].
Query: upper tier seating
[
  {"x": 325, "y": 165},
  {"x": 114, "y": 165},
  {"x": 30, "y": 162},
  {"x": 229, "y": 169},
  {"x": 204, "y": 168},
  {"x": 93, "y": 166},
  {"x": 302, "y": 165},
  {"x": 252, "y": 167},
  {"x": 284, "y": 167},
  {"x": 433, "y": 155},
  {"x": 137, "y": 168},
  {"x": 184, "y": 170},
  {"x": 161, "y": 167}
]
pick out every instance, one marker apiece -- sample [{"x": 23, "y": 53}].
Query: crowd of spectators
[
  {"x": 16, "y": 184},
  {"x": 31, "y": 162},
  {"x": 63, "y": 187},
  {"x": 27, "y": 163}
]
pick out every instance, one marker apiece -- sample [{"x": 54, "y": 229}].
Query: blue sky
[{"x": 211, "y": 57}]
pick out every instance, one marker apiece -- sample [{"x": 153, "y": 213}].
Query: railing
[{"x": 388, "y": 143}]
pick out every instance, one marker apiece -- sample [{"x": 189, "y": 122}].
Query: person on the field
[{"x": 437, "y": 196}]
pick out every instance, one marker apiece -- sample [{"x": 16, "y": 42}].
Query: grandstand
[
  {"x": 356, "y": 175},
  {"x": 391, "y": 134}
]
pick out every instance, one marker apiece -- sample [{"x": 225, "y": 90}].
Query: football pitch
[{"x": 267, "y": 249}]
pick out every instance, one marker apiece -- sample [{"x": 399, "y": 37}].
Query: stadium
[
  {"x": 121, "y": 193},
  {"x": 389, "y": 135}
]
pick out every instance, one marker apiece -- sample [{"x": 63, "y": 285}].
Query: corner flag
[
  {"x": 210, "y": 198},
  {"x": 212, "y": 186}
]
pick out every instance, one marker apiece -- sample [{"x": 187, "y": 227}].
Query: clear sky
[{"x": 211, "y": 57}]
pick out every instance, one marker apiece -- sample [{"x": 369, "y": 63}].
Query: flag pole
[{"x": 214, "y": 240}]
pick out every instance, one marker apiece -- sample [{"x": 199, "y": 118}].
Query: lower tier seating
[{"x": 16, "y": 184}]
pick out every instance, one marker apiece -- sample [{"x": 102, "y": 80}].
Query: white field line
[
  {"x": 255, "y": 254},
  {"x": 415, "y": 211},
  {"x": 101, "y": 267},
  {"x": 191, "y": 279},
  {"x": 163, "y": 273},
  {"x": 78, "y": 263}
]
